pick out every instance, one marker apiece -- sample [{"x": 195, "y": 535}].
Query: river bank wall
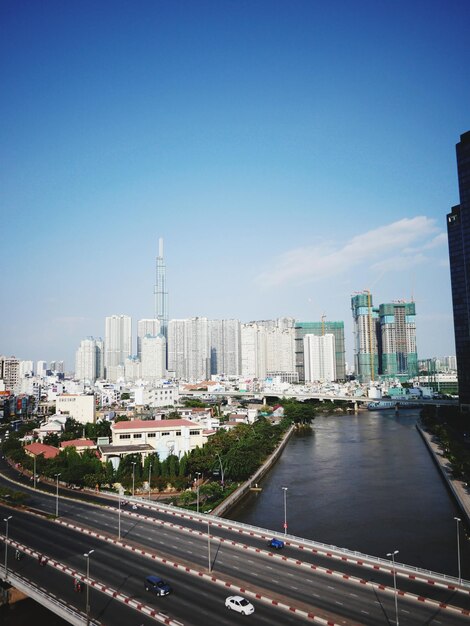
[
  {"x": 245, "y": 487},
  {"x": 458, "y": 488}
]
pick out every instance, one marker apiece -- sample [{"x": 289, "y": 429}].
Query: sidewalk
[{"x": 458, "y": 488}]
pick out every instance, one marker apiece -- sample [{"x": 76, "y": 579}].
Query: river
[{"x": 365, "y": 482}]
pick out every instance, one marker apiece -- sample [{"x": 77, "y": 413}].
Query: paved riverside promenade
[{"x": 457, "y": 487}]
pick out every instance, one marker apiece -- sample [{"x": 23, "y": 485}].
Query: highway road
[{"x": 174, "y": 544}]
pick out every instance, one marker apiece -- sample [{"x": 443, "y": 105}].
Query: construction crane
[{"x": 323, "y": 317}]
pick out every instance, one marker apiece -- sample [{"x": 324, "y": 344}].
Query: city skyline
[{"x": 289, "y": 154}]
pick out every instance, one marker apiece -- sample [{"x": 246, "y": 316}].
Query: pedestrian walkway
[{"x": 459, "y": 488}]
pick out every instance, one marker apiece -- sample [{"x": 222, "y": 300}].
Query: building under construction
[
  {"x": 320, "y": 329},
  {"x": 384, "y": 339}
]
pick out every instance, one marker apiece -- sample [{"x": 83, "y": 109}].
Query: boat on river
[{"x": 382, "y": 405}]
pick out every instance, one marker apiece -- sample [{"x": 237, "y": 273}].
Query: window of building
[
  {"x": 151, "y": 434},
  {"x": 194, "y": 432},
  {"x": 178, "y": 433},
  {"x": 137, "y": 435},
  {"x": 124, "y": 436},
  {"x": 165, "y": 434}
]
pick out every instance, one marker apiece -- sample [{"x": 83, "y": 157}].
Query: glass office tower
[{"x": 458, "y": 231}]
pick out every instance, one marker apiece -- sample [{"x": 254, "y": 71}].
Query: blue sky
[{"x": 290, "y": 153}]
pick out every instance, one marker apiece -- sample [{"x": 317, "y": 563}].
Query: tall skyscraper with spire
[{"x": 160, "y": 291}]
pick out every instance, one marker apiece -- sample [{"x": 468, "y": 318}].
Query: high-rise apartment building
[
  {"x": 320, "y": 329},
  {"x": 397, "y": 340},
  {"x": 268, "y": 349},
  {"x": 117, "y": 344},
  {"x": 225, "y": 347},
  {"x": 150, "y": 327},
  {"x": 189, "y": 348},
  {"x": 153, "y": 358},
  {"x": 57, "y": 367},
  {"x": 26, "y": 369},
  {"x": 197, "y": 349},
  {"x": 160, "y": 291},
  {"x": 319, "y": 357},
  {"x": 280, "y": 349},
  {"x": 89, "y": 360},
  {"x": 366, "y": 356},
  {"x": 41, "y": 369},
  {"x": 176, "y": 347},
  {"x": 384, "y": 339},
  {"x": 253, "y": 348},
  {"x": 458, "y": 233},
  {"x": 132, "y": 369},
  {"x": 9, "y": 372}
]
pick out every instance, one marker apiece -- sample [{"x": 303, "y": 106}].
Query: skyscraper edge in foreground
[{"x": 458, "y": 232}]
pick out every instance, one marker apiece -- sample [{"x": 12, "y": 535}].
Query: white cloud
[
  {"x": 399, "y": 263},
  {"x": 396, "y": 246}
]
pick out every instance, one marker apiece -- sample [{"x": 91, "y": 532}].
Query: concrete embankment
[
  {"x": 245, "y": 487},
  {"x": 458, "y": 488}
]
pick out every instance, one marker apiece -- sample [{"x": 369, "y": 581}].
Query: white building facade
[
  {"x": 155, "y": 397},
  {"x": 319, "y": 357},
  {"x": 189, "y": 348},
  {"x": 81, "y": 407},
  {"x": 164, "y": 436},
  {"x": 153, "y": 357},
  {"x": 253, "y": 348},
  {"x": 145, "y": 327},
  {"x": 89, "y": 364},
  {"x": 118, "y": 344}
]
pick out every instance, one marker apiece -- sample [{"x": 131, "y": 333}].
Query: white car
[{"x": 239, "y": 604}]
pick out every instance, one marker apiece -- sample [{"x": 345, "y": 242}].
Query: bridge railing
[
  {"x": 30, "y": 589},
  {"x": 360, "y": 556}
]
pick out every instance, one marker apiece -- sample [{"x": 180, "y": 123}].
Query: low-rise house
[
  {"x": 154, "y": 397},
  {"x": 145, "y": 437},
  {"x": 36, "y": 449},
  {"x": 230, "y": 425},
  {"x": 54, "y": 426},
  {"x": 79, "y": 444},
  {"x": 238, "y": 418}
]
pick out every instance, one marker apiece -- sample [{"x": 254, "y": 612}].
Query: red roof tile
[
  {"x": 78, "y": 443},
  {"x": 36, "y": 449}
]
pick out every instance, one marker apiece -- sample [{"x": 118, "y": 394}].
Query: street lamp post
[
  {"x": 150, "y": 471},
  {"x": 119, "y": 516},
  {"x": 209, "y": 544},
  {"x": 133, "y": 477},
  {"x": 87, "y": 556},
  {"x": 57, "y": 496},
  {"x": 6, "y": 520},
  {"x": 221, "y": 468},
  {"x": 285, "y": 509},
  {"x": 392, "y": 554},
  {"x": 458, "y": 520},
  {"x": 197, "y": 491},
  {"x": 34, "y": 472}
]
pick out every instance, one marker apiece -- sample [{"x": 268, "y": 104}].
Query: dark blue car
[
  {"x": 276, "y": 543},
  {"x": 157, "y": 585}
]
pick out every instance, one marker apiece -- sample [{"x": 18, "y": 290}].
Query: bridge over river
[
  {"x": 314, "y": 395},
  {"x": 111, "y": 547}
]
